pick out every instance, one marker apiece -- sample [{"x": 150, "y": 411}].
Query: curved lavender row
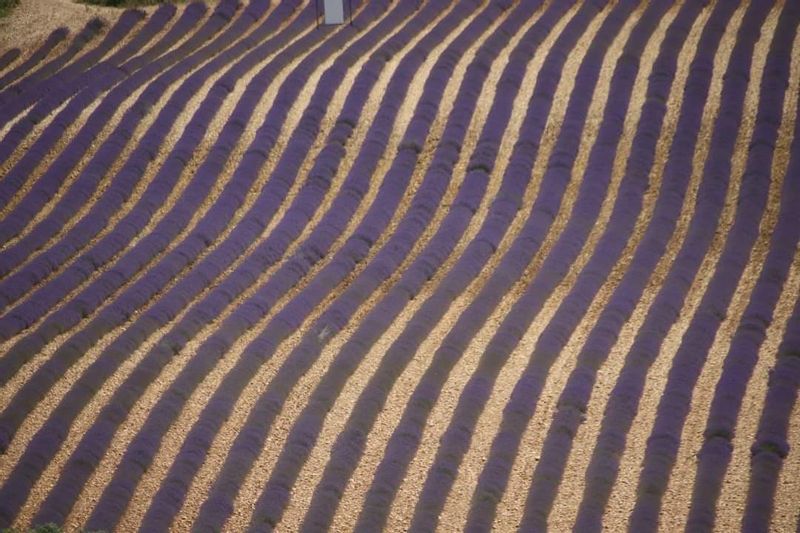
[
  {"x": 48, "y": 96},
  {"x": 405, "y": 438},
  {"x": 246, "y": 448},
  {"x": 167, "y": 307},
  {"x": 20, "y": 96},
  {"x": 320, "y": 175},
  {"x": 349, "y": 445},
  {"x": 109, "y": 151},
  {"x": 53, "y": 40},
  {"x": 771, "y": 446},
  {"x": 70, "y": 315},
  {"x": 306, "y": 428},
  {"x": 455, "y": 440},
  {"x": 49, "y": 438},
  {"x": 574, "y": 399},
  {"x": 54, "y": 291},
  {"x": 623, "y": 402},
  {"x": 83, "y": 38},
  {"x": 175, "y": 64},
  {"x": 715, "y": 453},
  {"x": 105, "y": 81},
  {"x": 79, "y": 343},
  {"x": 259, "y": 260},
  {"x": 9, "y": 57},
  {"x": 336, "y": 475},
  {"x": 663, "y": 443},
  {"x": 93, "y": 444},
  {"x": 111, "y": 244},
  {"x": 494, "y": 476},
  {"x": 191, "y": 16},
  {"x": 240, "y": 116},
  {"x": 333, "y": 274}
]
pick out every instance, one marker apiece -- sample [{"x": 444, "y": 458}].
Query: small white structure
[{"x": 334, "y": 11}]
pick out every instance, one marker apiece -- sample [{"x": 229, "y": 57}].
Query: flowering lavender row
[
  {"x": 81, "y": 40},
  {"x": 107, "y": 248},
  {"x": 76, "y": 71},
  {"x": 400, "y": 448},
  {"x": 275, "y": 495},
  {"x": 623, "y": 401},
  {"x": 204, "y": 310},
  {"x": 107, "y": 364},
  {"x": 186, "y": 328},
  {"x": 314, "y": 184},
  {"x": 576, "y": 394},
  {"x": 715, "y": 454},
  {"x": 173, "y": 488},
  {"x": 89, "y": 298},
  {"x": 9, "y": 57},
  {"x": 325, "y": 277},
  {"x": 14, "y": 286},
  {"x": 188, "y": 224},
  {"x": 349, "y": 444},
  {"x": 771, "y": 446},
  {"x": 66, "y": 161},
  {"x": 50, "y": 94},
  {"x": 662, "y": 445},
  {"x": 107, "y": 73},
  {"x": 199, "y": 314},
  {"x": 53, "y": 40},
  {"x": 455, "y": 440}
]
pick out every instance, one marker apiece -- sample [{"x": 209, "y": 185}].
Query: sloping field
[{"x": 457, "y": 265}]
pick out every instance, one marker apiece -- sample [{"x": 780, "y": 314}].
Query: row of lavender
[
  {"x": 313, "y": 184},
  {"x": 174, "y": 278}
]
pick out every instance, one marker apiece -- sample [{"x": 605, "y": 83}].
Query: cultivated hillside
[{"x": 454, "y": 265}]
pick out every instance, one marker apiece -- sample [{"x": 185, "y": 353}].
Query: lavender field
[{"x": 454, "y": 265}]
